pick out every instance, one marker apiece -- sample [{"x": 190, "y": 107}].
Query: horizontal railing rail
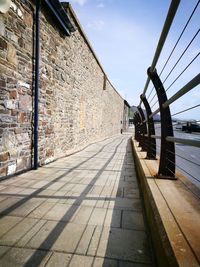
[{"x": 170, "y": 16}]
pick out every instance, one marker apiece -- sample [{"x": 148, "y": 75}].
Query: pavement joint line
[
  {"x": 49, "y": 257},
  {"x": 102, "y": 230},
  {"x": 45, "y": 200},
  {"x": 46, "y": 186},
  {"x": 69, "y": 253},
  {"x": 94, "y": 230},
  {"x": 37, "y": 220},
  {"x": 91, "y": 144},
  {"x": 52, "y": 205},
  {"x": 13, "y": 225},
  {"x": 87, "y": 223},
  {"x": 51, "y": 236},
  {"x": 24, "y": 246},
  {"x": 121, "y": 218},
  {"x": 112, "y": 183},
  {"x": 32, "y": 217}
]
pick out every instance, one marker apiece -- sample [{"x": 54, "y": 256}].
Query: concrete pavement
[{"x": 81, "y": 210}]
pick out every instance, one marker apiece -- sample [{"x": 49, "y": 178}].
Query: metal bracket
[
  {"x": 143, "y": 142},
  {"x": 167, "y": 153},
  {"x": 136, "y": 123},
  {"x": 151, "y": 145}
]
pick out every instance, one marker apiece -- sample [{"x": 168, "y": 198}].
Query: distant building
[{"x": 126, "y": 115}]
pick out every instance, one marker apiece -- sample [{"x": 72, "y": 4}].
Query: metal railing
[{"x": 145, "y": 130}]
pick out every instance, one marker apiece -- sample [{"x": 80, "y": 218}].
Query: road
[{"x": 187, "y": 157}]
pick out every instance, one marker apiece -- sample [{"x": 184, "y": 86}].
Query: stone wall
[
  {"x": 76, "y": 104},
  {"x": 16, "y": 70}
]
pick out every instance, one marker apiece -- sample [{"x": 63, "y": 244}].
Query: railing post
[
  {"x": 151, "y": 146},
  {"x": 136, "y": 123},
  {"x": 143, "y": 129},
  {"x": 167, "y": 153},
  {"x": 138, "y": 128}
]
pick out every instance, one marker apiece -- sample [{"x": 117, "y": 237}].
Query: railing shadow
[
  {"x": 55, "y": 233},
  {"x": 123, "y": 225},
  {"x": 128, "y": 239}
]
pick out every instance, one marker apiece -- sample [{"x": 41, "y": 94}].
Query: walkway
[{"x": 80, "y": 211}]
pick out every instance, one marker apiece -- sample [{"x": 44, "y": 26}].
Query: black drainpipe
[{"x": 37, "y": 77}]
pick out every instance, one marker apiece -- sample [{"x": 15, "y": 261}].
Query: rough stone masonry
[{"x": 77, "y": 103}]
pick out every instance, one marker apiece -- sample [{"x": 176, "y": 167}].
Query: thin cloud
[
  {"x": 80, "y": 2},
  {"x": 96, "y": 25}
]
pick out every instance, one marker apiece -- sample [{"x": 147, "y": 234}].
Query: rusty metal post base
[{"x": 165, "y": 177}]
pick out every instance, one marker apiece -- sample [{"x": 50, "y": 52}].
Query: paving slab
[
  {"x": 2, "y": 187},
  {"x": 97, "y": 217},
  {"x": 94, "y": 243},
  {"x": 41, "y": 210},
  {"x": 40, "y": 184},
  {"x": 18, "y": 257},
  {"x": 38, "y": 241},
  {"x": 58, "y": 212},
  {"x": 79, "y": 260},
  {"x": 56, "y": 186},
  {"x": 70, "y": 237},
  {"x": 8, "y": 222},
  {"x": 84, "y": 243},
  {"x": 2, "y": 198},
  {"x": 103, "y": 203},
  {"x": 133, "y": 220},
  {"x": 26, "y": 208},
  {"x": 58, "y": 259},
  {"x": 130, "y": 192},
  {"x": 8, "y": 202},
  {"x": 113, "y": 218},
  {"x": 28, "y": 191},
  {"x": 3, "y": 250},
  {"x": 82, "y": 210},
  {"x": 91, "y": 202},
  {"x": 82, "y": 215},
  {"x": 31, "y": 233},
  {"x": 101, "y": 262},
  {"x": 17, "y": 232},
  {"x": 124, "y": 245},
  {"x": 126, "y": 204},
  {"x": 96, "y": 190}
]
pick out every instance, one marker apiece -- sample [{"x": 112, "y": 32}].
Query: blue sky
[{"x": 124, "y": 35}]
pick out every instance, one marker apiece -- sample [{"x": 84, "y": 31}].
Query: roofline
[
  {"x": 69, "y": 7},
  {"x": 127, "y": 104}
]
